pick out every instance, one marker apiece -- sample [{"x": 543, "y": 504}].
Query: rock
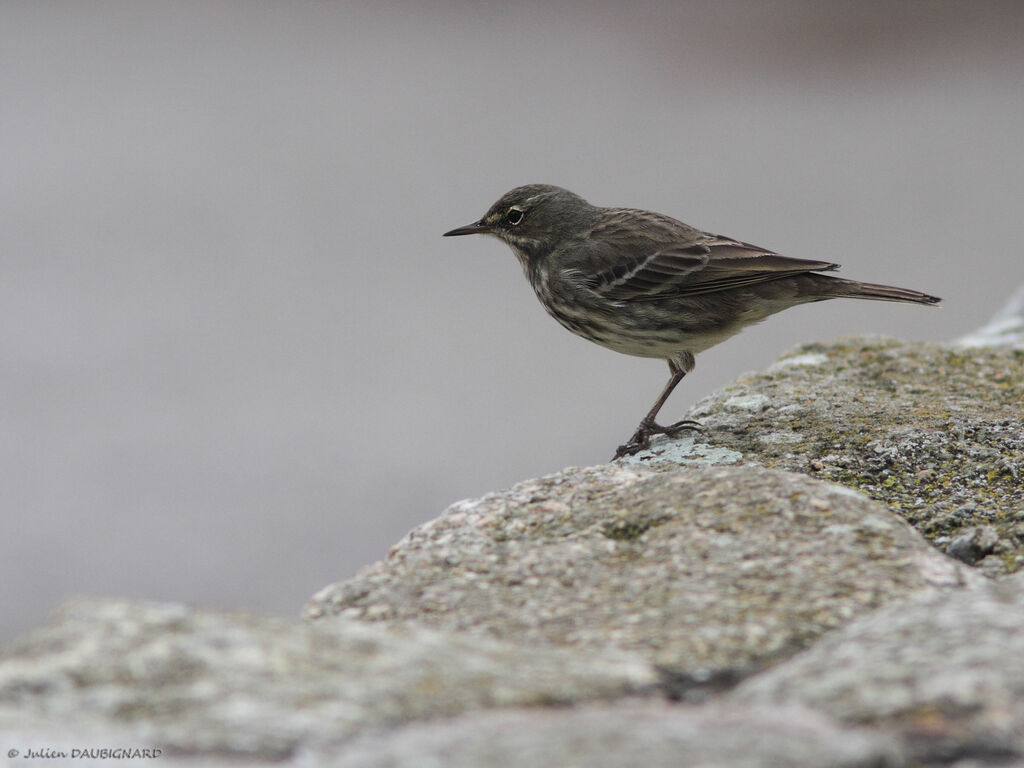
[
  {"x": 1005, "y": 329},
  {"x": 625, "y": 736},
  {"x": 814, "y": 625},
  {"x": 237, "y": 686},
  {"x": 934, "y": 432},
  {"x": 974, "y": 544},
  {"x": 714, "y": 569},
  {"x": 944, "y": 669}
]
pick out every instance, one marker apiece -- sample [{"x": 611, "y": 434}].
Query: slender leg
[{"x": 642, "y": 437}]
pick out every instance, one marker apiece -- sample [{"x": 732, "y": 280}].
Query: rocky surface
[
  {"x": 648, "y": 735},
  {"x": 1005, "y": 329},
  {"x": 805, "y": 586},
  {"x": 713, "y": 569},
  {"x": 195, "y": 682},
  {"x": 945, "y": 670},
  {"x": 935, "y": 433}
]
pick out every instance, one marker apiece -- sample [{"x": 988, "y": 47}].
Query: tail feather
[{"x": 852, "y": 289}]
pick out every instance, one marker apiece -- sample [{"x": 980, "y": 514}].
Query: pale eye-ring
[{"x": 514, "y": 216}]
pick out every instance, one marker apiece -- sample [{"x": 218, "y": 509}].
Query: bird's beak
[{"x": 476, "y": 228}]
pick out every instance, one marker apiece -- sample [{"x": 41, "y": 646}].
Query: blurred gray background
[{"x": 239, "y": 361}]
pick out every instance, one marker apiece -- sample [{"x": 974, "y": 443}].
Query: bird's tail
[{"x": 852, "y": 289}]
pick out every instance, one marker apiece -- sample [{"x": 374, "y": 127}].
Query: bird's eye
[{"x": 514, "y": 216}]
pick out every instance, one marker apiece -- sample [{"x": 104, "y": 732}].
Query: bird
[{"x": 645, "y": 284}]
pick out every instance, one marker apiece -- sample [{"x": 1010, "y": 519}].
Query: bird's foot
[{"x": 642, "y": 437}]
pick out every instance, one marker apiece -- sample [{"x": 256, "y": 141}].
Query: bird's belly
[
  {"x": 641, "y": 334},
  {"x": 661, "y": 344}
]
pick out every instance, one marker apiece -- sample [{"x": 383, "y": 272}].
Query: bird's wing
[
  {"x": 648, "y": 274},
  {"x": 695, "y": 263}
]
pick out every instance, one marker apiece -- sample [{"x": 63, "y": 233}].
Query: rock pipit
[{"x": 644, "y": 284}]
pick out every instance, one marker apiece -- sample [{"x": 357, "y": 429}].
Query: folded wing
[{"x": 623, "y": 269}]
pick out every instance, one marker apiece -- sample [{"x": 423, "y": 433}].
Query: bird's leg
[{"x": 648, "y": 427}]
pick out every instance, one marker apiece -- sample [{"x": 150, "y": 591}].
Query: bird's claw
[
  {"x": 674, "y": 430},
  {"x": 633, "y": 446},
  {"x": 641, "y": 439}
]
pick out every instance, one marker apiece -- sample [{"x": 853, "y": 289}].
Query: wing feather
[{"x": 660, "y": 258}]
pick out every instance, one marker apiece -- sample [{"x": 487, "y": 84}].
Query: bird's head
[{"x": 533, "y": 218}]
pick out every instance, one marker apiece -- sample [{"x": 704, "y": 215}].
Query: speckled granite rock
[
  {"x": 626, "y": 736},
  {"x": 936, "y": 433},
  {"x": 945, "y": 670},
  {"x": 231, "y": 685},
  {"x": 712, "y": 568},
  {"x": 665, "y": 575},
  {"x": 1005, "y": 329}
]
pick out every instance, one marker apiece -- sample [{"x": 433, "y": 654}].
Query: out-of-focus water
[{"x": 238, "y": 360}]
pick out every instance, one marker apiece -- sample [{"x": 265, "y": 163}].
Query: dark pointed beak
[{"x": 476, "y": 228}]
